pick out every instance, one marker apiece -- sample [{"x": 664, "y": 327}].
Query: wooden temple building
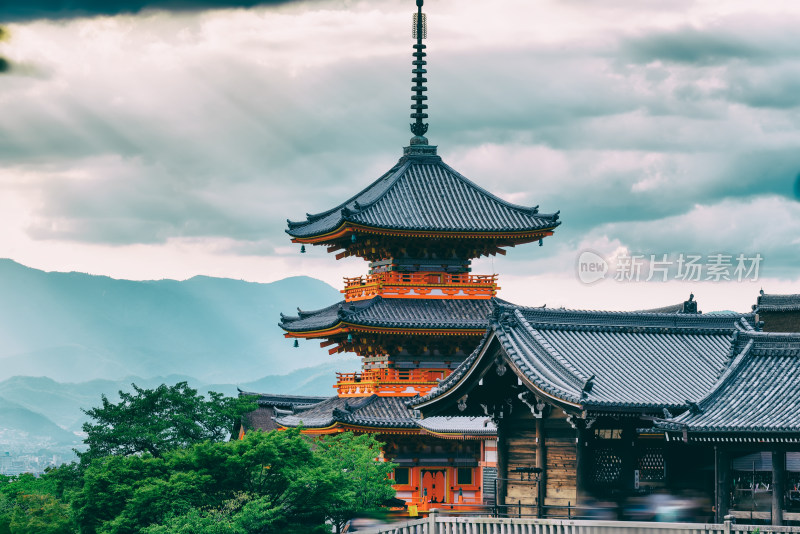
[
  {"x": 779, "y": 313},
  {"x": 549, "y": 408},
  {"x": 416, "y": 314},
  {"x": 610, "y": 405}
]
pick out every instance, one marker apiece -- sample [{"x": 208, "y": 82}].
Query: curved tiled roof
[
  {"x": 609, "y": 359},
  {"x": 283, "y": 401},
  {"x": 421, "y": 193},
  {"x": 373, "y": 411},
  {"x": 760, "y": 392},
  {"x": 644, "y": 319},
  {"x": 777, "y": 303},
  {"x": 381, "y": 412},
  {"x": 395, "y": 313},
  {"x": 451, "y": 425}
]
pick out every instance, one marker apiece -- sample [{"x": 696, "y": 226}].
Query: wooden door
[{"x": 433, "y": 483}]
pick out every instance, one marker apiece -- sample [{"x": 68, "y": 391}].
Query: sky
[{"x": 167, "y": 139}]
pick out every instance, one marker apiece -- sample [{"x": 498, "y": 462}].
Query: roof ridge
[
  {"x": 300, "y": 312},
  {"x": 682, "y": 316},
  {"x": 529, "y": 210},
  {"x": 575, "y": 376},
  {"x": 454, "y": 376},
  {"x": 726, "y": 375},
  {"x": 625, "y": 328},
  {"x": 398, "y": 174},
  {"x": 754, "y": 334},
  {"x": 282, "y": 396},
  {"x": 396, "y": 168},
  {"x": 515, "y": 355}
]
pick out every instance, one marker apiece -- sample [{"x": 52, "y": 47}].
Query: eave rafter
[{"x": 381, "y": 243}]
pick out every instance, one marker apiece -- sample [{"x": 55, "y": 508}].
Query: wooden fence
[{"x": 437, "y": 524}]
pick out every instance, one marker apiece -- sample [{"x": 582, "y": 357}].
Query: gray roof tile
[
  {"x": 381, "y": 412},
  {"x": 642, "y": 360},
  {"x": 777, "y": 303},
  {"x": 400, "y": 313},
  {"x": 423, "y": 193},
  {"x": 283, "y": 401},
  {"x": 759, "y": 392}
]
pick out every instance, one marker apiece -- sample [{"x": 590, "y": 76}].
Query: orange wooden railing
[
  {"x": 388, "y": 382},
  {"x": 421, "y": 285}
]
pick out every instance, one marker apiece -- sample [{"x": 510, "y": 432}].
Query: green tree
[
  {"x": 362, "y": 483},
  {"x": 30, "y": 504},
  {"x": 158, "y": 420},
  {"x": 38, "y": 513},
  {"x": 268, "y": 482}
]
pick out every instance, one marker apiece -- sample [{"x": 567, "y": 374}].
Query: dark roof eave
[{"x": 457, "y": 233}]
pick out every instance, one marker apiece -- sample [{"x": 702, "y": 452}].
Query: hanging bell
[
  {"x": 541, "y": 243},
  {"x": 296, "y": 343},
  {"x": 349, "y": 338},
  {"x": 352, "y": 238},
  {"x": 302, "y": 249}
]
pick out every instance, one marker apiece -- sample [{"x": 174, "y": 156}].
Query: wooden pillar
[
  {"x": 502, "y": 464},
  {"x": 778, "y": 485},
  {"x": 581, "y": 465},
  {"x": 628, "y": 454},
  {"x": 541, "y": 463},
  {"x": 722, "y": 468}
]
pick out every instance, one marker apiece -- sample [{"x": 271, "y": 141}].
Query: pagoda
[{"x": 419, "y": 311}]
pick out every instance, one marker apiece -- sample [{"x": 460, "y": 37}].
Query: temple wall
[
  {"x": 561, "y": 453},
  {"x": 558, "y": 461},
  {"x": 780, "y": 321}
]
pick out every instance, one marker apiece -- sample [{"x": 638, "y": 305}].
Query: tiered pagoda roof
[
  {"x": 421, "y": 315},
  {"x": 596, "y": 361},
  {"x": 269, "y": 405},
  {"x": 423, "y": 197},
  {"x": 759, "y": 392},
  {"x": 385, "y": 414}
]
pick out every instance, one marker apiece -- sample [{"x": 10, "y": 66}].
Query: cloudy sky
[{"x": 162, "y": 139}]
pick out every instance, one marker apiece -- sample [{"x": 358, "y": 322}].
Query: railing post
[
  {"x": 432, "y": 521},
  {"x": 569, "y": 510},
  {"x": 727, "y": 525},
  {"x": 494, "y": 512}
]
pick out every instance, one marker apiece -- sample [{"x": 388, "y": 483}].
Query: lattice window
[
  {"x": 651, "y": 465},
  {"x": 607, "y": 466}
]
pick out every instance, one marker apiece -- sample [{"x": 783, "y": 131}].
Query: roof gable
[{"x": 608, "y": 360}]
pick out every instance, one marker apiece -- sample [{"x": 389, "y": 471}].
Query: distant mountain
[
  {"x": 61, "y": 403},
  {"x": 18, "y": 424},
  {"x": 75, "y": 327}
]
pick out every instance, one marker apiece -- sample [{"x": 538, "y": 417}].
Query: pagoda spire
[{"x": 419, "y": 32}]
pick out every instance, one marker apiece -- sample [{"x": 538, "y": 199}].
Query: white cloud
[{"x": 187, "y": 139}]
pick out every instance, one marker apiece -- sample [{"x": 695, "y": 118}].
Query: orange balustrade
[
  {"x": 420, "y": 285},
  {"x": 388, "y": 382}
]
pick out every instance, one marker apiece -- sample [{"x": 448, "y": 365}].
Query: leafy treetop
[{"x": 160, "y": 419}]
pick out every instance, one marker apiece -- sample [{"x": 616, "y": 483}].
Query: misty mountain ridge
[
  {"x": 61, "y": 404},
  {"x": 75, "y": 327}
]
